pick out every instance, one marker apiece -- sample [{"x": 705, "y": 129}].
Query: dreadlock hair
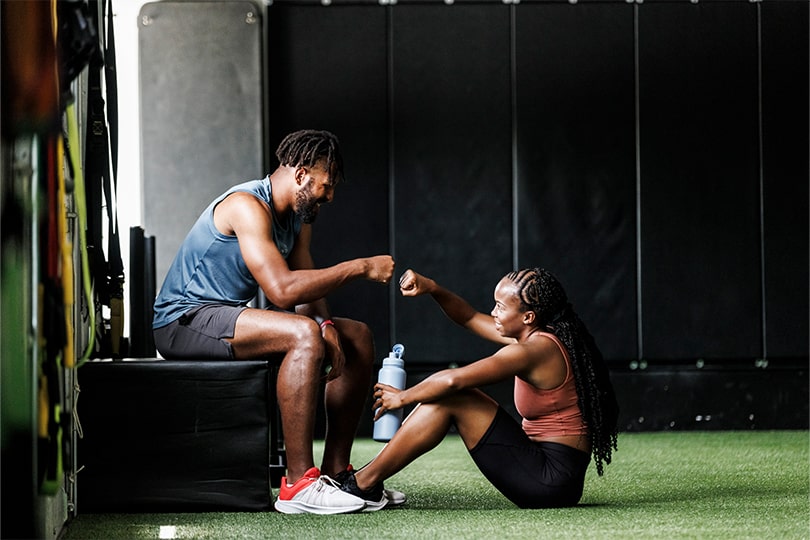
[
  {"x": 305, "y": 148},
  {"x": 540, "y": 292}
]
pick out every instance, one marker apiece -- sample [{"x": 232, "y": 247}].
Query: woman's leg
[{"x": 471, "y": 411}]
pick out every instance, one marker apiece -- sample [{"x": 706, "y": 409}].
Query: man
[{"x": 258, "y": 234}]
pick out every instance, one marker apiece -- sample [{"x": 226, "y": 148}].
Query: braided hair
[
  {"x": 305, "y": 148},
  {"x": 540, "y": 292}
]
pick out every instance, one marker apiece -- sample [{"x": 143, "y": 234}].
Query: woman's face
[{"x": 508, "y": 314}]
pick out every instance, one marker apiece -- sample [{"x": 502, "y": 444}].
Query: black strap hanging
[{"x": 102, "y": 148}]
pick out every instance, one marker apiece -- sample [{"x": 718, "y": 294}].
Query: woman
[{"x": 562, "y": 391}]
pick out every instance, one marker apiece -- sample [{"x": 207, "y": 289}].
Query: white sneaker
[
  {"x": 395, "y": 498},
  {"x": 314, "y": 493}
]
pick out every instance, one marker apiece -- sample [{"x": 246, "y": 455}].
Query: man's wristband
[{"x": 325, "y": 323}]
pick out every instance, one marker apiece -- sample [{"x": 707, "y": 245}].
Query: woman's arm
[
  {"x": 514, "y": 359},
  {"x": 455, "y": 307}
]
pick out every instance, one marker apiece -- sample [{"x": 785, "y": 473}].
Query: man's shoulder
[
  {"x": 242, "y": 202},
  {"x": 260, "y": 188},
  {"x": 239, "y": 211}
]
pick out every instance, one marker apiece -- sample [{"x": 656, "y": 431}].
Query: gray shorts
[{"x": 200, "y": 333}]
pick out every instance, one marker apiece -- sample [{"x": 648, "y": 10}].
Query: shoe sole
[
  {"x": 372, "y": 506},
  {"x": 393, "y": 503},
  {"x": 295, "y": 507}
]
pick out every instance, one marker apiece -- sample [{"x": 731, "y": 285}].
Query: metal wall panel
[{"x": 201, "y": 111}]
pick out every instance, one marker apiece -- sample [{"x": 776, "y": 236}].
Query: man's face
[{"x": 316, "y": 188}]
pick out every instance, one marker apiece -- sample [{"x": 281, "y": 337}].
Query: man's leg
[
  {"x": 346, "y": 395},
  {"x": 259, "y": 333}
]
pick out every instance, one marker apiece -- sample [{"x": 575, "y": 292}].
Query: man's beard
[{"x": 306, "y": 205}]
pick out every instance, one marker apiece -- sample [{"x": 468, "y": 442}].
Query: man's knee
[
  {"x": 365, "y": 338},
  {"x": 307, "y": 340},
  {"x": 358, "y": 342}
]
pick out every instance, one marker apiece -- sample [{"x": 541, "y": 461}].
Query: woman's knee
[
  {"x": 472, "y": 412},
  {"x": 457, "y": 405},
  {"x": 469, "y": 399}
]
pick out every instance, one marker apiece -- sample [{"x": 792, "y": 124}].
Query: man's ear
[
  {"x": 300, "y": 174},
  {"x": 528, "y": 317}
]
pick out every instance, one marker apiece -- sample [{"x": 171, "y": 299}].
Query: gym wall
[{"x": 653, "y": 155}]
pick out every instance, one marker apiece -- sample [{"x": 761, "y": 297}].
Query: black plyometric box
[{"x": 174, "y": 435}]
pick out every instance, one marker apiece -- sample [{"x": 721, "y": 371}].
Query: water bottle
[{"x": 392, "y": 373}]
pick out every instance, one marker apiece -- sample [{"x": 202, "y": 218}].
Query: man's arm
[
  {"x": 251, "y": 221},
  {"x": 301, "y": 259}
]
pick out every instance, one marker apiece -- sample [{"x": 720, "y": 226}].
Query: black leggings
[{"x": 528, "y": 473}]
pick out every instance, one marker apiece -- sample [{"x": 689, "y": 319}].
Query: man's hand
[
  {"x": 380, "y": 268},
  {"x": 334, "y": 352}
]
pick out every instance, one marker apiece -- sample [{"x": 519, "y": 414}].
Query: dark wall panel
[
  {"x": 785, "y": 63},
  {"x": 452, "y": 165},
  {"x": 576, "y": 160},
  {"x": 721, "y": 397},
  {"x": 327, "y": 70},
  {"x": 700, "y": 233}
]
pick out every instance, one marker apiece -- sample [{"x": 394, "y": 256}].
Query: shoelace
[{"x": 323, "y": 480}]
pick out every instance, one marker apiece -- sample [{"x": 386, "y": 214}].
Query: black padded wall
[
  {"x": 328, "y": 70},
  {"x": 657, "y": 148},
  {"x": 785, "y": 176},
  {"x": 576, "y": 150},
  {"x": 700, "y": 226},
  {"x": 653, "y": 155},
  {"x": 451, "y": 124},
  {"x": 638, "y": 151}
]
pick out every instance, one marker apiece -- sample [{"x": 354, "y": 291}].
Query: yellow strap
[
  {"x": 66, "y": 252},
  {"x": 81, "y": 211}
]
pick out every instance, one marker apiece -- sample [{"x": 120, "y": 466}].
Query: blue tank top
[{"x": 209, "y": 268}]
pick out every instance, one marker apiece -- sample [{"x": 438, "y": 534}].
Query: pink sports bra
[{"x": 550, "y": 413}]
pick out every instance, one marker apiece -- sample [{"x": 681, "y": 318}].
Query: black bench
[{"x": 178, "y": 435}]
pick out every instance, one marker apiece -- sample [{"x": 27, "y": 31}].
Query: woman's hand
[
  {"x": 386, "y": 398},
  {"x": 413, "y": 284}
]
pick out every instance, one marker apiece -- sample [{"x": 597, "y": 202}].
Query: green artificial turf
[{"x": 661, "y": 485}]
